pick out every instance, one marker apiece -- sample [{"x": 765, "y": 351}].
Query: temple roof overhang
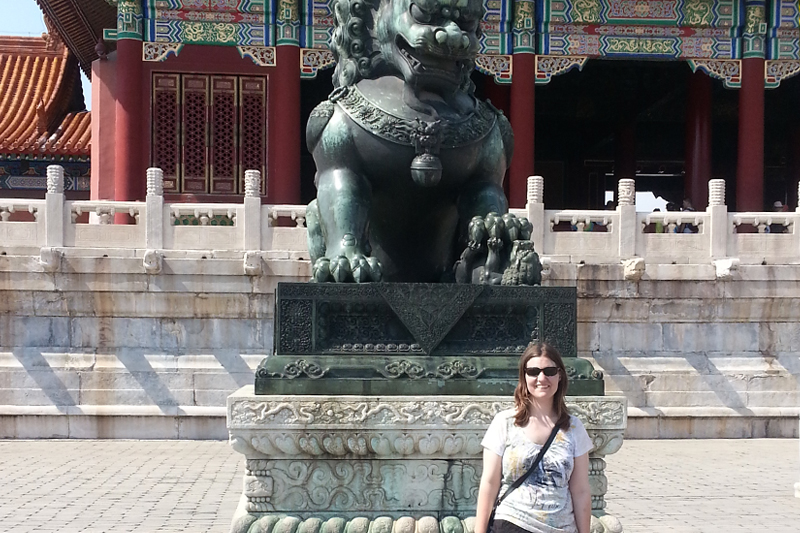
[
  {"x": 42, "y": 111},
  {"x": 80, "y": 23}
]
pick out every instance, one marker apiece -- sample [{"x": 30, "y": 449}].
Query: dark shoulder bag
[{"x": 522, "y": 478}]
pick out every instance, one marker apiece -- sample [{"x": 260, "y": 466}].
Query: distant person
[
  {"x": 610, "y": 205},
  {"x": 659, "y": 225},
  {"x": 686, "y": 227}
]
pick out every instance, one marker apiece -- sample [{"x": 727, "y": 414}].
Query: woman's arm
[
  {"x": 581, "y": 493},
  {"x": 489, "y": 488}
]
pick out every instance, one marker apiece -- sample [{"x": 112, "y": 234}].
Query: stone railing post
[
  {"x": 626, "y": 207},
  {"x": 252, "y": 210},
  {"x": 718, "y": 219},
  {"x": 54, "y": 216},
  {"x": 535, "y": 209},
  {"x": 154, "y": 204}
]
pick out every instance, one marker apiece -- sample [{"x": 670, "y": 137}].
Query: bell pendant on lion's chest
[{"x": 426, "y": 170}]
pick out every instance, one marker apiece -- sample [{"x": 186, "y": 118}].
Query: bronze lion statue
[{"x": 406, "y": 155}]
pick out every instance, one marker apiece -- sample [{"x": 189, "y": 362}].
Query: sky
[{"x": 23, "y": 17}]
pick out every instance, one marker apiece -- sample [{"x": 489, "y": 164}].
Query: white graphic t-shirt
[{"x": 543, "y": 503}]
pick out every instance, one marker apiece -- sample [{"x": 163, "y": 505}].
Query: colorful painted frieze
[
  {"x": 287, "y": 22},
  {"x": 783, "y": 33},
  {"x": 716, "y": 13},
  {"x": 317, "y": 24},
  {"x": 496, "y": 27},
  {"x": 214, "y": 22},
  {"x": 657, "y": 29},
  {"x": 130, "y": 19},
  {"x": 754, "y": 33},
  {"x": 238, "y": 6},
  {"x": 639, "y": 41},
  {"x": 524, "y": 30}
]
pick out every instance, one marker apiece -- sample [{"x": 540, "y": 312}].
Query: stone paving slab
[{"x": 691, "y": 486}]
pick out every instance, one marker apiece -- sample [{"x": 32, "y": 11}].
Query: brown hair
[{"x": 521, "y": 395}]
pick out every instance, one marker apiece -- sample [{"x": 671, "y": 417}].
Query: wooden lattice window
[
  {"x": 207, "y": 130},
  {"x": 253, "y": 117},
  {"x": 166, "y": 130}
]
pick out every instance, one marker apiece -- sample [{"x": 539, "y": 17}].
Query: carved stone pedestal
[{"x": 399, "y": 464}]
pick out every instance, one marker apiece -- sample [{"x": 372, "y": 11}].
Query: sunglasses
[{"x": 550, "y": 371}]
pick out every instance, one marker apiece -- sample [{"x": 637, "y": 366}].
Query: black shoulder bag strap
[{"x": 525, "y": 476}]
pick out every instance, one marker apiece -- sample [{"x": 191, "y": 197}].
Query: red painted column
[
  {"x": 285, "y": 128},
  {"x": 750, "y": 161},
  {"x": 697, "y": 153},
  {"x": 523, "y": 121},
  {"x": 129, "y": 168},
  {"x": 625, "y": 149}
]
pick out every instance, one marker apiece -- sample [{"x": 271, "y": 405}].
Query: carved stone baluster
[
  {"x": 535, "y": 190},
  {"x": 626, "y": 207},
  {"x": 252, "y": 212},
  {"x": 252, "y": 183},
  {"x": 716, "y": 192},
  {"x": 626, "y": 194},
  {"x": 54, "y": 207},
  {"x": 154, "y": 204},
  {"x": 535, "y": 208},
  {"x": 718, "y": 219}
]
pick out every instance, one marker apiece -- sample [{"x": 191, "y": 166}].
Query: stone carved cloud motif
[{"x": 245, "y": 413}]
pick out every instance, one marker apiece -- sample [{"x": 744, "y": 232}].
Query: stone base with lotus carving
[{"x": 393, "y": 464}]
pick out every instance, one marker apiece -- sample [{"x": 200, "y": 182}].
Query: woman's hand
[
  {"x": 489, "y": 488},
  {"x": 581, "y": 493}
]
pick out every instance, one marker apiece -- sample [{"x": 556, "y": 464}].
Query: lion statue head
[{"x": 431, "y": 44}]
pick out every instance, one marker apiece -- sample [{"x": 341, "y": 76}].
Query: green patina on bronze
[
  {"x": 417, "y": 339},
  {"x": 406, "y": 155}
]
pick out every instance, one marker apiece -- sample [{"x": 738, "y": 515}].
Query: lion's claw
[{"x": 359, "y": 268}]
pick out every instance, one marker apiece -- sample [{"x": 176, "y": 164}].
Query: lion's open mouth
[{"x": 423, "y": 62}]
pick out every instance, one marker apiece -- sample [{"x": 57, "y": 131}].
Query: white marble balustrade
[
  {"x": 55, "y": 223},
  {"x": 625, "y": 234},
  {"x": 561, "y": 236}
]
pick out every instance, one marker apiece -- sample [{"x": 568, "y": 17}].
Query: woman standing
[{"x": 556, "y": 497}]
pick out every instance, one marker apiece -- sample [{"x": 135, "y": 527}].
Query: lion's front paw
[
  {"x": 499, "y": 251},
  {"x": 358, "y": 268}
]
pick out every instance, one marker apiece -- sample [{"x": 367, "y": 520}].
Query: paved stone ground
[{"x": 148, "y": 486}]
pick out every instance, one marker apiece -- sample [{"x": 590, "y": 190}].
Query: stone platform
[{"x": 395, "y": 463}]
